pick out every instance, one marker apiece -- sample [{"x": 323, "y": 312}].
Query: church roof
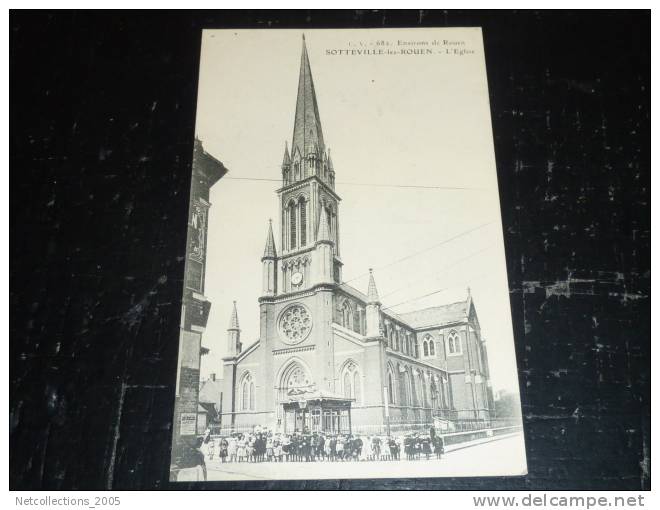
[
  {"x": 269, "y": 250},
  {"x": 424, "y": 318},
  {"x": 437, "y": 315},
  {"x": 307, "y": 133}
]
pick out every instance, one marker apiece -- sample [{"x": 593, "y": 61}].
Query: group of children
[{"x": 265, "y": 446}]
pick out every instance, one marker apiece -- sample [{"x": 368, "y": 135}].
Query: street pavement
[{"x": 498, "y": 457}]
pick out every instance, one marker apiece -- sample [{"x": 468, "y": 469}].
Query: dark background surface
[{"x": 102, "y": 112}]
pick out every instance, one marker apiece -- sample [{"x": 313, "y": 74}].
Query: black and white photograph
[{"x": 345, "y": 309}]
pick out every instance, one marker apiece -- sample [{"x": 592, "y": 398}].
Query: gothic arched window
[
  {"x": 357, "y": 320},
  {"x": 303, "y": 221},
  {"x": 453, "y": 343},
  {"x": 408, "y": 388},
  {"x": 356, "y": 386},
  {"x": 348, "y": 391},
  {"x": 428, "y": 346},
  {"x": 346, "y": 315},
  {"x": 292, "y": 225},
  {"x": 423, "y": 395},
  {"x": 390, "y": 386},
  {"x": 351, "y": 382},
  {"x": 247, "y": 393}
]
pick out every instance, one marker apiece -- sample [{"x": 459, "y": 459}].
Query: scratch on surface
[
  {"x": 134, "y": 314},
  {"x": 573, "y": 286},
  {"x": 115, "y": 437}
]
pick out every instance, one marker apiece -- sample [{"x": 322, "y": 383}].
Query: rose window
[{"x": 295, "y": 324}]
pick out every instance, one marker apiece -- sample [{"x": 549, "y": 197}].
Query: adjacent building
[{"x": 206, "y": 171}]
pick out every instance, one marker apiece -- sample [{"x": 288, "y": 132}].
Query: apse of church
[{"x": 328, "y": 357}]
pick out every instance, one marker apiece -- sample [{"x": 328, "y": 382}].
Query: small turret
[
  {"x": 372, "y": 292},
  {"x": 269, "y": 263},
  {"x": 233, "y": 334},
  {"x": 286, "y": 162},
  {"x": 373, "y": 308},
  {"x": 269, "y": 249}
]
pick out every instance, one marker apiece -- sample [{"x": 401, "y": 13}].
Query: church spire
[
  {"x": 269, "y": 250},
  {"x": 287, "y": 159},
  {"x": 233, "y": 321},
  {"x": 372, "y": 292},
  {"x": 307, "y": 133}
]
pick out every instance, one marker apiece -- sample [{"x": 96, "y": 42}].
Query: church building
[{"x": 329, "y": 357}]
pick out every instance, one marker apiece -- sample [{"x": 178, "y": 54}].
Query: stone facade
[{"x": 323, "y": 340}]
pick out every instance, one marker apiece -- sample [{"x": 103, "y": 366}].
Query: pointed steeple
[
  {"x": 307, "y": 131},
  {"x": 323, "y": 234},
  {"x": 372, "y": 292},
  {"x": 269, "y": 250},
  {"x": 233, "y": 321},
  {"x": 287, "y": 158}
]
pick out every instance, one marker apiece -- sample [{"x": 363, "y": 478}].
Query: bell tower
[{"x": 308, "y": 201}]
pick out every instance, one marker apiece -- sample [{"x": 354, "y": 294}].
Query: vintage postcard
[{"x": 346, "y": 308}]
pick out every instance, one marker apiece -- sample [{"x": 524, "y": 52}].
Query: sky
[{"x": 412, "y": 149}]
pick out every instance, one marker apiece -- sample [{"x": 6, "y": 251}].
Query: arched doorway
[{"x": 305, "y": 409}]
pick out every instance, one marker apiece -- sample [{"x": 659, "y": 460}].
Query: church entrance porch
[{"x": 321, "y": 415}]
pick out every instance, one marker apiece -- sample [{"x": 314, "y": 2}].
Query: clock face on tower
[
  {"x": 295, "y": 324},
  {"x": 296, "y": 278}
]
